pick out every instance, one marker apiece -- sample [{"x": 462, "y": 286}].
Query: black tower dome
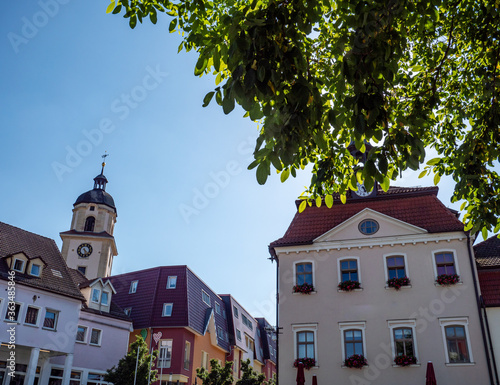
[{"x": 98, "y": 194}]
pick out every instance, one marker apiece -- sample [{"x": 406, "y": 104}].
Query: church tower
[{"x": 89, "y": 246}]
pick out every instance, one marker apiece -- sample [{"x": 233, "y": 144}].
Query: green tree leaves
[{"x": 319, "y": 75}]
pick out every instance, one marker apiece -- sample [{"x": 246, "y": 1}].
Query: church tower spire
[{"x": 89, "y": 246}]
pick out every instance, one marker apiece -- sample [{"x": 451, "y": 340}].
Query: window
[
  {"x": 217, "y": 307},
  {"x": 12, "y": 312},
  {"x": 167, "y": 309},
  {"x": 172, "y": 282},
  {"x": 305, "y": 344},
  {"x": 403, "y": 338},
  {"x": 165, "y": 357},
  {"x": 95, "y": 337},
  {"x": 56, "y": 376},
  {"x": 133, "y": 287},
  {"x": 235, "y": 311},
  {"x": 18, "y": 265},
  {"x": 205, "y": 297},
  {"x": 456, "y": 340},
  {"x": 127, "y": 311},
  {"x": 105, "y": 298},
  {"x": 31, "y": 316},
  {"x": 92, "y": 208},
  {"x": 303, "y": 273},
  {"x": 349, "y": 270},
  {"x": 89, "y": 224},
  {"x": 187, "y": 355},
  {"x": 445, "y": 263},
  {"x": 75, "y": 378},
  {"x": 96, "y": 379},
  {"x": 396, "y": 267},
  {"x": 35, "y": 270},
  {"x": 249, "y": 344},
  {"x": 246, "y": 322},
  {"x": 220, "y": 333},
  {"x": 238, "y": 334},
  {"x": 81, "y": 334},
  {"x": 368, "y": 226},
  {"x": 204, "y": 359},
  {"x": 82, "y": 269},
  {"x": 403, "y": 342},
  {"x": 353, "y": 338},
  {"x": 96, "y": 295},
  {"x": 50, "y": 320},
  {"x": 353, "y": 342}
]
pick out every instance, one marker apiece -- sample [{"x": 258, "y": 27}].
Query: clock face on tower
[
  {"x": 361, "y": 192},
  {"x": 84, "y": 250}
]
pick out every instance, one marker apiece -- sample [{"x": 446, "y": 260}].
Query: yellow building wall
[{"x": 203, "y": 343}]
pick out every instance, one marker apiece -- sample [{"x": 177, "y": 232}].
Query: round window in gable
[{"x": 368, "y": 226}]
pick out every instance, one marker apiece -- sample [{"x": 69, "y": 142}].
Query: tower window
[
  {"x": 89, "y": 224},
  {"x": 92, "y": 208}
]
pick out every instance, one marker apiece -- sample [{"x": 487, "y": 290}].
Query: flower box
[
  {"x": 397, "y": 283},
  {"x": 349, "y": 285},
  {"x": 447, "y": 279},
  {"x": 308, "y": 363},
  {"x": 305, "y": 288},
  {"x": 405, "y": 360},
  {"x": 355, "y": 361}
]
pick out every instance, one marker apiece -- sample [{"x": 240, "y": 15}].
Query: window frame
[
  {"x": 165, "y": 347},
  {"x": 39, "y": 270},
  {"x": 345, "y": 326},
  {"x": 37, "y": 316},
  {"x": 203, "y": 295},
  {"x": 127, "y": 311},
  {"x": 339, "y": 267},
  {"x": 133, "y": 286},
  {"x": 304, "y": 261},
  {"x": 100, "y": 337},
  {"x": 23, "y": 266},
  {"x": 167, "y": 305},
  {"x": 456, "y": 321},
  {"x": 89, "y": 223},
  {"x": 7, "y": 310},
  {"x": 236, "y": 312},
  {"x": 170, "y": 279},
  {"x": 84, "y": 267},
  {"x": 217, "y": 307},
  {"x": 56, "y": 318},
  {"x": 95, "y": 290},
  {"x": 455, "y": 262},
  {"x": 238, "y": 334},
  {"x": 366, "y": 220},
  {"x": 187, "y": 355},
  {"x": 386, "y": 267},
  {"x": 407, "y": 324},
  {"x": 107, "y": 298},
  {"x": 85, "y": 334},
  {"x": 313, "y": 327},
  {"x": 204, "y": 359}
]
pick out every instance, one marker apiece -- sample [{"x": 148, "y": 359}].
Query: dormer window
[
  {"x": 105, "y": 298},
  {"x": 89, "y": 224},
  {"x": 133, "y": 287},
  {"x": 18, "y": 265},
  {"x": 96, "y": 294},
  {"x": 35, "y": 270}
]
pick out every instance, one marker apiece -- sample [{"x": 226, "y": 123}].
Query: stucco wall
[{"x": 375, "y": 305}]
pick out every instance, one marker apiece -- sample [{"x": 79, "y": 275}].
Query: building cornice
[{"x": 373, "y": 242}]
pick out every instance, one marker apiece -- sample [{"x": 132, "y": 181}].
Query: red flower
[
  {"x": 305, "y": 288},
  {"x": 355, "y": 361},
  {"x": 397, "y": 283},
  {"x": 308, "y": 362},
  {"x": 448, "y": 279},
  {"x": 349, "y": 285},
  {"x": 404, "y": 360}
]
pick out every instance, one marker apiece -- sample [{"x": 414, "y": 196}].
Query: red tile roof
[
  {"x": 488, "y": 253},
  {"x": 417, "y": 206},
  {"x": 489, "y": 281}
]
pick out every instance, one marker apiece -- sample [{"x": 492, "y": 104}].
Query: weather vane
[{"x": 103, "y": 160}]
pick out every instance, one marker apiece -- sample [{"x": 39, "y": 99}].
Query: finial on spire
[{"x": 104, "y": 161}]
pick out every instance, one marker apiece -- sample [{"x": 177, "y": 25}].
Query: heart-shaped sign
[{"x": 157, "y": 336}]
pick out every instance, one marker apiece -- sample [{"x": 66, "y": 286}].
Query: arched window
[{"x": 89, "y": 224}]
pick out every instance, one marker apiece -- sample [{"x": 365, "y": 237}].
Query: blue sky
[{"x": 77, "y": 82}]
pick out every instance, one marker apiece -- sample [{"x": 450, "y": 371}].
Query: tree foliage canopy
[
  {"x": 124, "y": 373},
  {"x": 403, "y": 75}
]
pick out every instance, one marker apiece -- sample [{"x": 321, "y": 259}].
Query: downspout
[
  {"x": 277, "y": 322},
  {"x": 476, "y": 290},
  {"x": 489, "y": 338}
]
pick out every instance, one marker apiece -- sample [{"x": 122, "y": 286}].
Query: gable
[{"x": 387, "y": 227}]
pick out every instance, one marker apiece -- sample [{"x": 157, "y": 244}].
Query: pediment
[{"x": 387, "y": 227}]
